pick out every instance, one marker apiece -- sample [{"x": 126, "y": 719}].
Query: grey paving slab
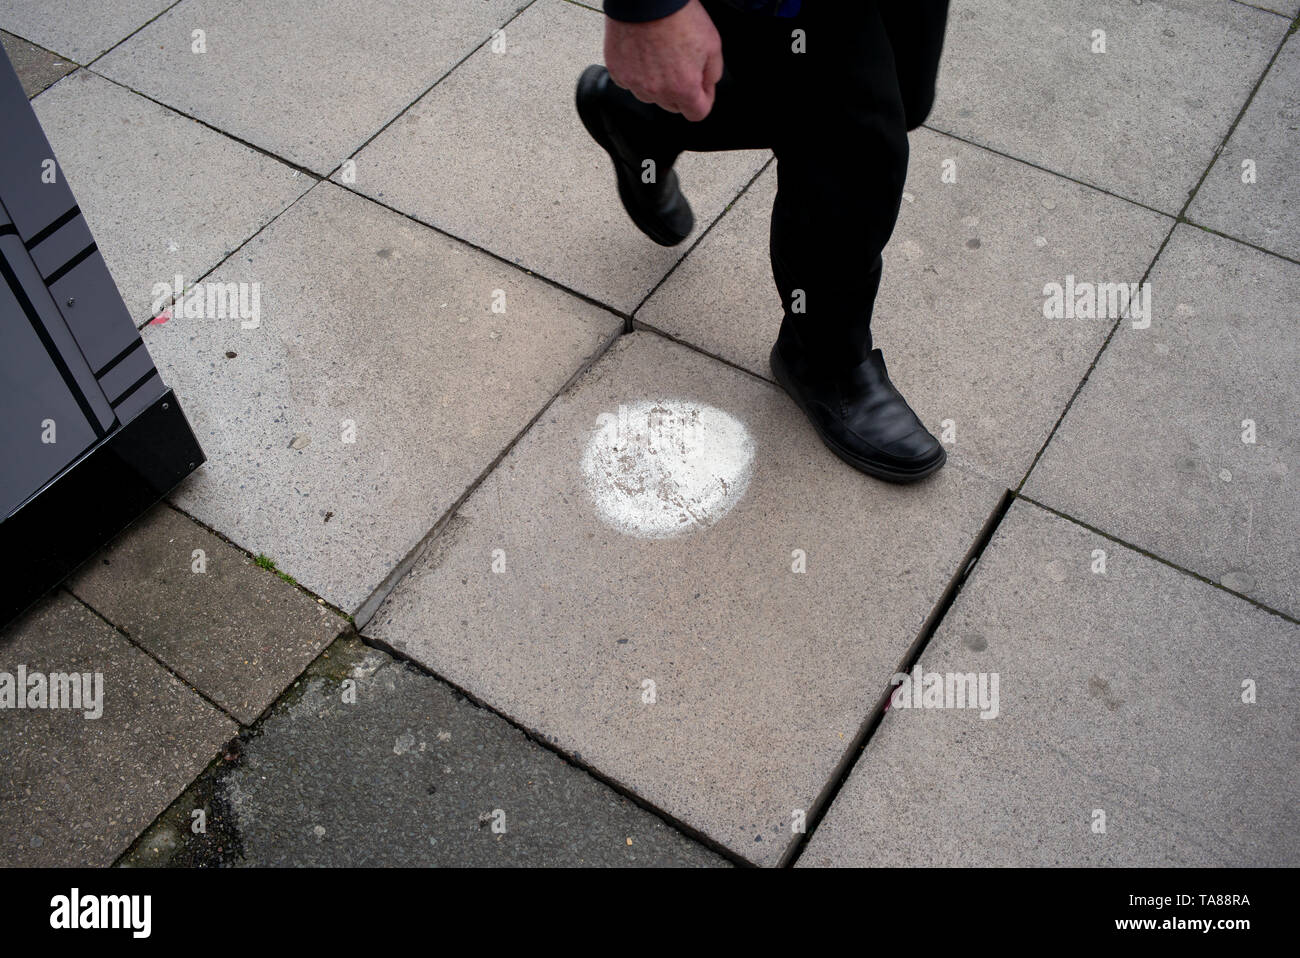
[
  {"x": 1262, "y": 150},
  {"x": 164, "y": 196},
  {"x": 1291, "y": 9},
  {"x": 76, "y": 790},
  {"x": 77, "y": 29},
  {"x": 700, "y": 670},
  {"x": 1154, "y": 449},
  {"x": 1142, "y": 119},
  {"x": 1122, "y": 737},
  {"x": 496, "y": 154},
  {"x": 308, "y": 80},
  {"x": 960, "y": 311},
  {"x": 376, "y": 387},
  {"x": 370, "y": 762},
  {"x": 36, "y": 68},
  {"x": 237, "y": 632}
]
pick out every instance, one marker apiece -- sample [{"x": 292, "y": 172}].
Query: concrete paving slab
[
  {"x": 401, "y": 770},
  {"x": 238, "y": 633},
  {"x": 960, "y": 311},
  {"x": 36, "y": 68},
  {"x": 77, "y": 790},
  {"x": 308, "y": 80},
  {"x": 1121, "y": 706},
  {"x": 162, "y": 194},
  {"x": 1142, "y": 119},
  {"x": 377, "y": 386},
  {"x": 1253, "y": 191},
  {"x": 496, "y": 154},
  {"x": 701, "y": 670},
  {"x": 1186, "y": 482},
  {"x": 1291, "y": 9},
  {"x": 76, "y": 29}
]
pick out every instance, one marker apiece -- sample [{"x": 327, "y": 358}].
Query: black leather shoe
[
  {"x": 658, "y": 209},
  {"x": 860, "y": 416}
]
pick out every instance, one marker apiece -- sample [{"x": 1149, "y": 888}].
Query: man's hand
[{"x": 674, "y": 62}]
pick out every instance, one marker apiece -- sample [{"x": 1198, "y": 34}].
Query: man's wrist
[{"x": 640, "y": 11}]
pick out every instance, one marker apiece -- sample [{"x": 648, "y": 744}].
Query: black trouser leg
[
  {"x": 841, "y": 164},
  {"x": 836, "y": 114},
  {"x": 869, "y": 77},
  {"x": 916, "y": 30}
]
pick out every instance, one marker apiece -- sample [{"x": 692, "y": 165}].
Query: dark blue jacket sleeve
[{"x": 638, "y": 11}]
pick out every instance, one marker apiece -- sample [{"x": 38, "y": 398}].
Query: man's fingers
[
  {"x": 713, "y": 69},
  {"x": 697, "y": 108},
  {"x": 686, "y": 101},
  {"x": 697, "y": 104},
  {"x": 700, "y": 102},
  {"x": 694, "y": 103},
  {"x": 707, "y": 97}
]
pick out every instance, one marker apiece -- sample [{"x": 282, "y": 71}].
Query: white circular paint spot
[{"x": 663, "y": 468}]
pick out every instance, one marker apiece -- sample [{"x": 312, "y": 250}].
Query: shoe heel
[{"x": 584, "y": 99}]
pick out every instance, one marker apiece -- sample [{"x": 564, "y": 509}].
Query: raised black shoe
[
  {"x": 658, "y": 209},
  {"x": 860, "y": 416}
]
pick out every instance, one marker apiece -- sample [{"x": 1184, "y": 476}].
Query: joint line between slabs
[
  {"x": 744, "y": 191},
  {"x": 1147, "y": 553},
  {"x": 532, "y": 735},
  {"x": 1181, "y": 218},
  {"x": 853, "y": 755},
  {"x": 190, "y": 686}
]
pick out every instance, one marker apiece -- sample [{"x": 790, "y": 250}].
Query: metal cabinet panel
[{"x": 90, "y": 436}]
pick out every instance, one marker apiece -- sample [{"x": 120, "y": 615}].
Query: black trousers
[{"x": 836, "y": 116}]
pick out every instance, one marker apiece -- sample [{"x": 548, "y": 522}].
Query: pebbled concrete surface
[
  {"x": 235, "y": 631},
  {"x": 1121, "y": 693},
  {"x": 1141, "y": 120},
  {"x": 1221, "y": 350},
  {"x": 409, "y": 774},
  {"x": 36, "y": 68},
  {"x": 75, "y": 791},
  {"x": 370, "y": 320},
  {"x": 307, "y": 80},
  {"x": 78, "y": 30},
  {"x": 162, "y": 194},
  {"x": 760, "y": 674},
  {"x": 454, "y": 160},
  {"x": 1265, "y": 212}
]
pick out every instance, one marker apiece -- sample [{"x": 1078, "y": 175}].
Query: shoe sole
[
  {"x": 871, "y": 468},
  {"x": 592, "y": 121}
]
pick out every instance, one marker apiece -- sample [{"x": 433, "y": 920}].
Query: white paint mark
[{"x": 660, "y": 469}]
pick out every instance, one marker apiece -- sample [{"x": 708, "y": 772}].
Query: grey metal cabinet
[{"x": 90, "y": 436}]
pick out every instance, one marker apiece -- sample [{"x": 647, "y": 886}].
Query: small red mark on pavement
[{"x": 161, "y": 318}]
